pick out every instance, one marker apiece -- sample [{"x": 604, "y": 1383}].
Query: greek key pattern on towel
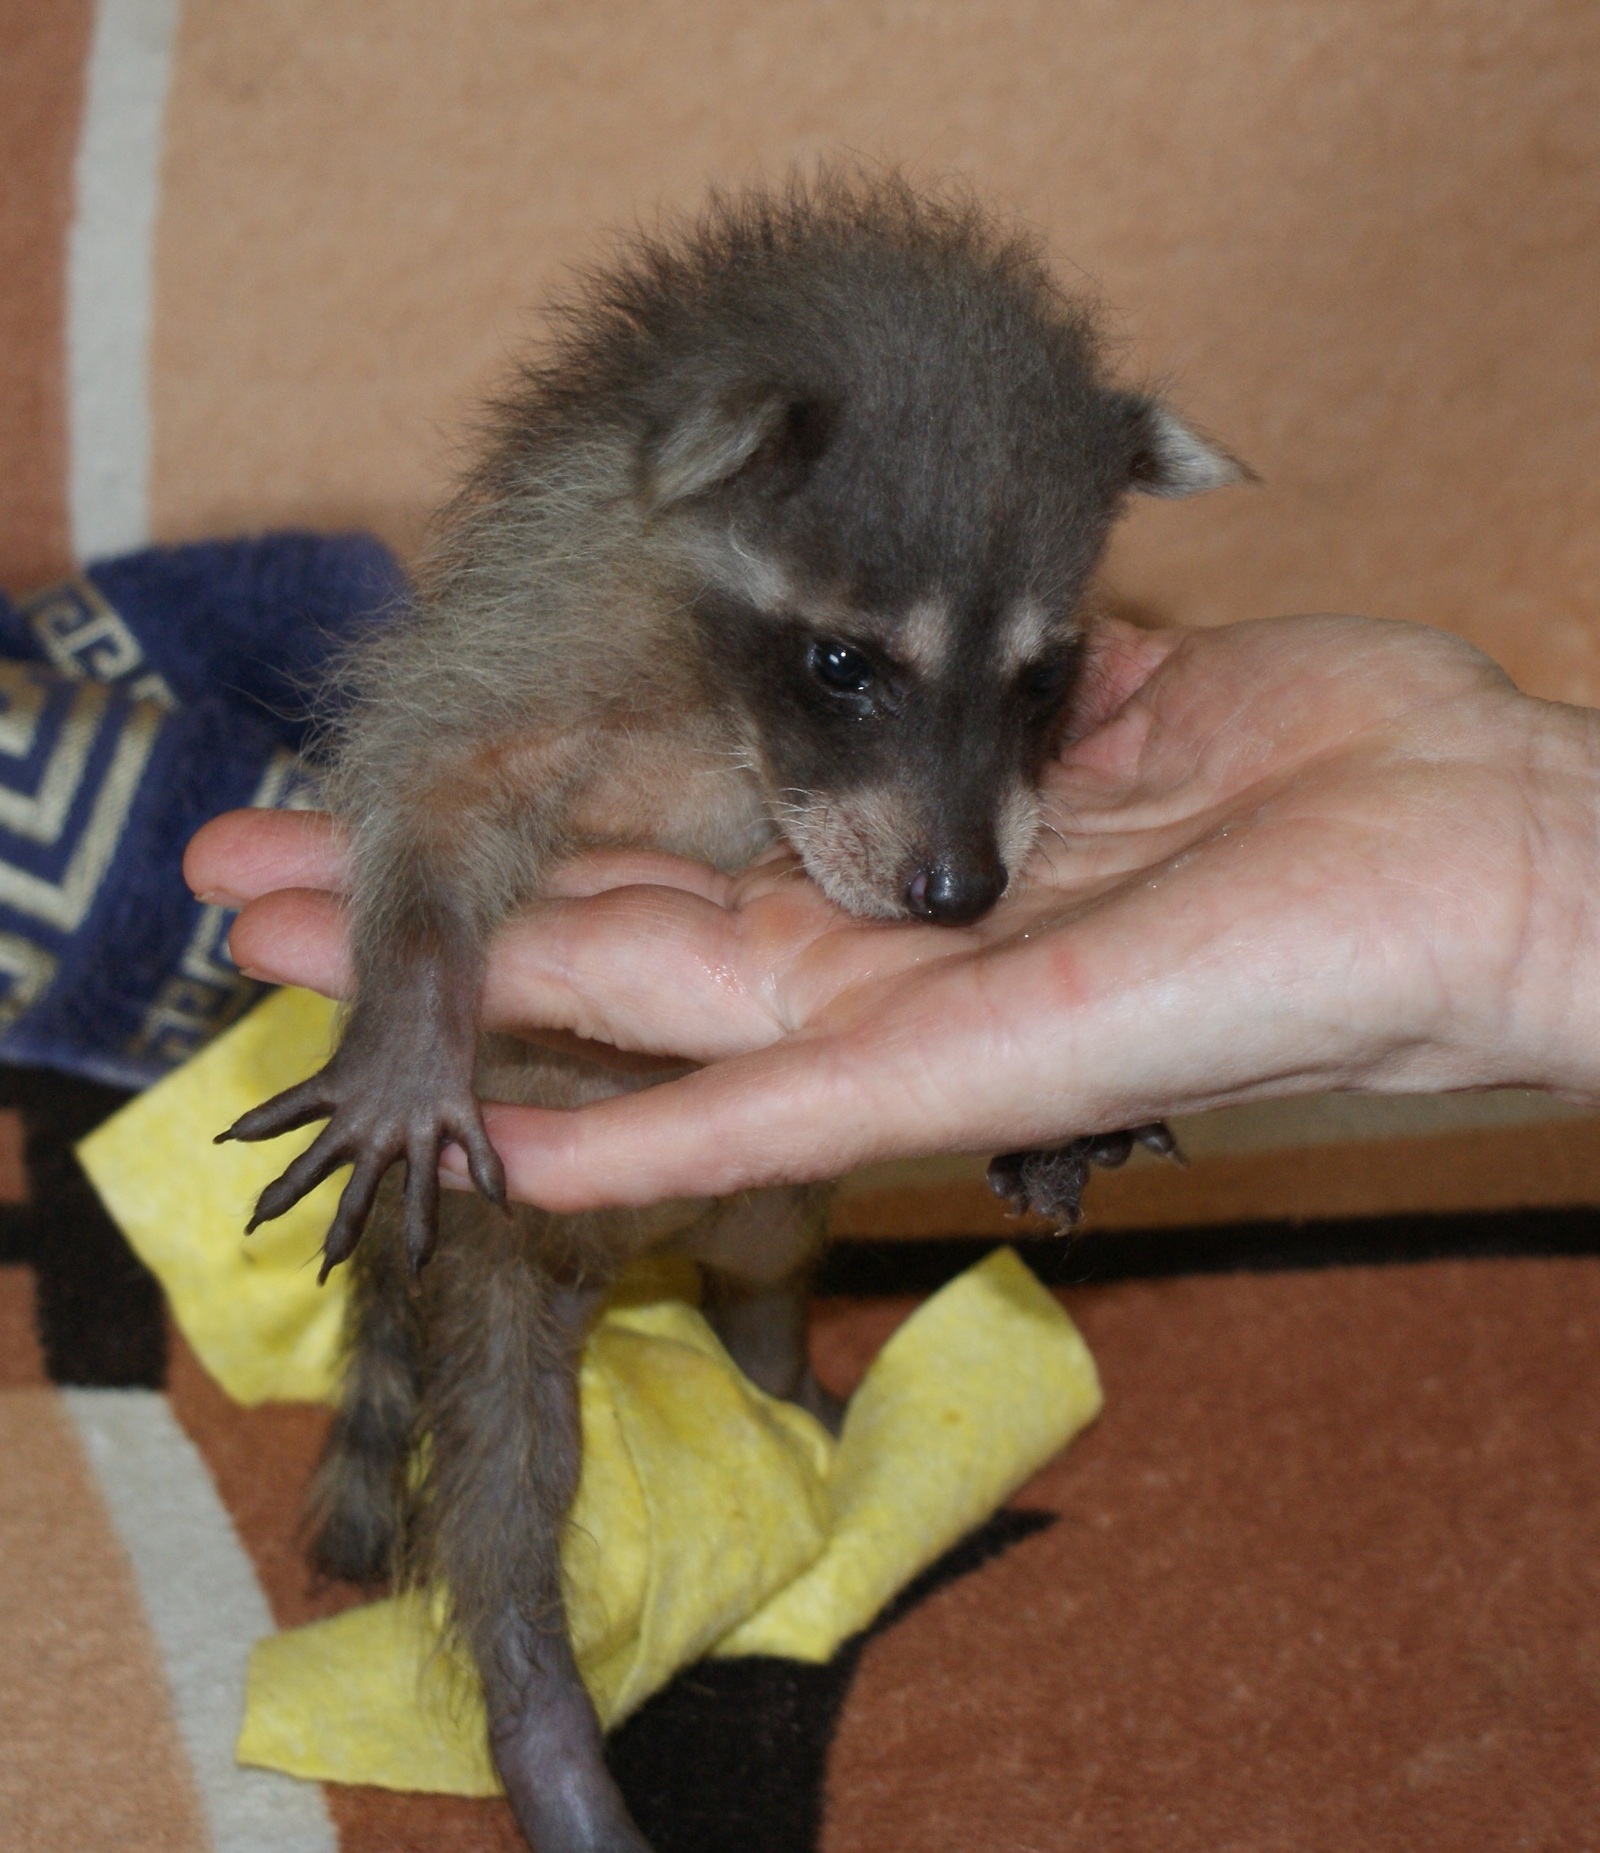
[
  {"x": 138, "y": 699},
  {"x": 83, "y": 634},
  {"x": 70, "y": 764},
  {"x": 208, "y": 991}
]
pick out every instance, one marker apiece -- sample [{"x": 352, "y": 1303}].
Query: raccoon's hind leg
[
  {"x": 356, "y": 1507},
  {"x": 1050, "y": 1182},
  {"x": 503, "y": 1328},
  {"x": 756, "y": 1255}
]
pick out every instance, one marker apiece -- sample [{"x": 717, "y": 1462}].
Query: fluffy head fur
[{"x": 829, "y": 468}]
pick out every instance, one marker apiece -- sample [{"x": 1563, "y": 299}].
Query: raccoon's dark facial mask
[
  {"x": 904, "y": 679},
  {"x": 907, "y": 787}
]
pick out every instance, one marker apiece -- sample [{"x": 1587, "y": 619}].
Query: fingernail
[
  {"x": 453, "y": 1173},
  {"x": 215, "y": 897}
]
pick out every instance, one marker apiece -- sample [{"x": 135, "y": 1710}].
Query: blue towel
[{"x": 136, "y": 701}]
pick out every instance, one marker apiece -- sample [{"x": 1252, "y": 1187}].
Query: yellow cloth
[
  {"x": 710, "y": 1516},
  {"x": 250, "y": 1307}
]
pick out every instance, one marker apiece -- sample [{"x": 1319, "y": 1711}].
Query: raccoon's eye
[
  {"x": 839, "y": 668},
  {"x": 1045, "y": 681}
]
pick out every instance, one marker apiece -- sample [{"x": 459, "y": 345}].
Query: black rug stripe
[
  {"x": 921, "y": 1265},
  {"x": 99, "y": 1309},
  {"x": 733, "y": 1754}
]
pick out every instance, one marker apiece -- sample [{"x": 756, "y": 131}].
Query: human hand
[{"x": 1298, "y": 854}]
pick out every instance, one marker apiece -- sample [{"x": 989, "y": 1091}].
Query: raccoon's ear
[
  {"x": 1166, "y": 457},
  {"x": 711, "y": 445}
]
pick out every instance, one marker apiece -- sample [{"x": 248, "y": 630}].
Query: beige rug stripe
[
  {"x": 1364, "y": 243},
  {"x": 206, "y": 1610},
  {"x": 109, "y": 274},
  {"x": 92, "y": 1754}
]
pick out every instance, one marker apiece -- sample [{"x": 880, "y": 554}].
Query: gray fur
[{"x": 786, "y": 533}]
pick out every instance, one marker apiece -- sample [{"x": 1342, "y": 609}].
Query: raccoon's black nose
[{"x": 952, "y": 895}]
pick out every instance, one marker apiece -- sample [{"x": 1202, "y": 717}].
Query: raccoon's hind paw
[
  {"x": 1050, "y": 1182},
  {"x": 379, "y": 1111}
]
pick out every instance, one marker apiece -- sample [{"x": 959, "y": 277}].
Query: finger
[
  {"x": 1122, "y": 658},
  {"x": 355, "y": 1206},
  {"x": 638, "y": 968},
  {"x": 664, "y": 972},
  {"x": 320, "y": 1160},
  {"x": 421, "y": 1215},
  {"x": 1009, "y": 1049},
  {"x": 649, "y": 969},
  {"x": 784, "y": 1115},
  {"x": 602, "y": 869},
  {"x": 242, "y": 854},
  {"x": 294, "y": 936},
  {"x": 286, "y": 1112},
  {"x": 778, "y": 866}
]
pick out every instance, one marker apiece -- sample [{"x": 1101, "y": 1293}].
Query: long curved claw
[
  {"x": 422, "y": 1202},
  {"x": 1158, "y": 1137},
  {"x": 320, "y": 1160},
  {"x": 286, "y": 1112},
  {"x": 355, "y": 1206},
  {"x": 483, "y": 1161}
]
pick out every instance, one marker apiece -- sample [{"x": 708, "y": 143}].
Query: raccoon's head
[{"x": 886, "y": 447}]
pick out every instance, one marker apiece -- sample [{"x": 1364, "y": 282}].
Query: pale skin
[{"x": 1284, "y": 856}]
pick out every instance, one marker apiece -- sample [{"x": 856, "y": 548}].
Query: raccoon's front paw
[
  {"x": 382, "y": 1105},
  {"x": 1050, "y": 1182}
]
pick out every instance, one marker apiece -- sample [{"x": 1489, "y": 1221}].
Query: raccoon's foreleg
[
  {"x": 356, "y": 1507},
  {"x": 1050, "y": 1182},
  {"x": 398, "y": 1087},
  {"x": 441, "y": 857},
  {"x": 500, "y": 1408}
]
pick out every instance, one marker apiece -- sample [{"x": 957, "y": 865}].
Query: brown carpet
[
  {"x": 41, "y": 81},
  {"x": 1325, "y": 1577}
]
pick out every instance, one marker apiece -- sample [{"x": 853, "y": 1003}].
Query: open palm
[{"x": 1302, "y": 853}]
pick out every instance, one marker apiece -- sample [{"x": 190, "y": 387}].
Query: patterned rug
[{"x": 1324, "y": 1574}]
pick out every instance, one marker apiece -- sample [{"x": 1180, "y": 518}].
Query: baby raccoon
[{"x": 785, "y": 535}]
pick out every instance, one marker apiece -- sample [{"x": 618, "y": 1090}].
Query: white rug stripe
[
  {"x": 110, "y": 285},
  {"x": 205, "y": 1608}
]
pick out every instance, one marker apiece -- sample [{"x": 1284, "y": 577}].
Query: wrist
[{"x": 1549, "y": 1033}]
